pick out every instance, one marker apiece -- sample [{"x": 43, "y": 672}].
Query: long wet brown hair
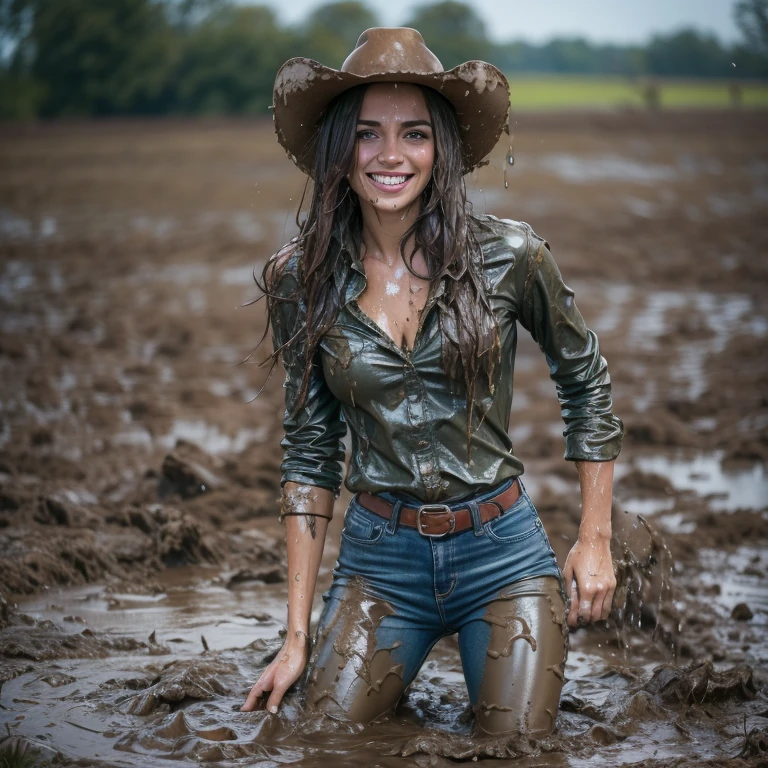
[{"x": 333, "y": 228}]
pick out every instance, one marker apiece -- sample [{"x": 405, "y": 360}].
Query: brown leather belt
[{"x": 436, "y": 520}]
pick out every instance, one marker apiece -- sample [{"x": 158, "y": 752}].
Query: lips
[{"x": 389, "y": 182}]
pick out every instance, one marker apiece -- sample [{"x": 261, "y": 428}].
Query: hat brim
[{"x": 478, "y": 91}]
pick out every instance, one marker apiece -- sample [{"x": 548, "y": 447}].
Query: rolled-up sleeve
[
  {"x": 548, "y": 311},
  {"x": 313, "y": 449}
]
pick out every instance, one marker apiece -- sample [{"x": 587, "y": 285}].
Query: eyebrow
[{"x": 405, "y": 124}]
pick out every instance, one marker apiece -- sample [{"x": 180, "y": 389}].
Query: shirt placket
[{"x": 423, "y": 448}]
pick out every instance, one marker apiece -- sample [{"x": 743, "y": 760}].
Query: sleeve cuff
[
  {"x": 600, "y": 441},
  {"x": 330, "y": 481}
]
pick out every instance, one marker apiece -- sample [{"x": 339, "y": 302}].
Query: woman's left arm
[
  {"x": 593, "y": 433},
  {"x": 588, "y": 571}
]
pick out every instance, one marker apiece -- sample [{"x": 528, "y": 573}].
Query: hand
[
  {"x": 280, "y": 675},
  {"x": 589, "y": 574}
]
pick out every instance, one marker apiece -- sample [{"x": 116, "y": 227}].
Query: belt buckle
[{"x": 431, "y": 508}]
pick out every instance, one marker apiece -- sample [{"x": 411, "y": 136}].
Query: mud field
[{"x": 143, "y": 571}]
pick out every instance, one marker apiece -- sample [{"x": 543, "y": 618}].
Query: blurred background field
[
  {"x": 141, "y": 559},
  {"x": 61, "y": 58},
  {"x": 543, "y": 91}
]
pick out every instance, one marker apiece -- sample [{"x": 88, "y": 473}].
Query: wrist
[
  {"x": 595, "y": 535},
  {"x": 298, "y": 637}
]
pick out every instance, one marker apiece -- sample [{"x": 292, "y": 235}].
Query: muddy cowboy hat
[{"x": 304, "y": 88}]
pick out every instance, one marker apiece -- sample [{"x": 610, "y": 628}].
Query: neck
[{"x": 383, "y": 231}]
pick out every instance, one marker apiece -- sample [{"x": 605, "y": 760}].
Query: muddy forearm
[
  {"x": 596, "y": 480},
  {"x": 305, "y": 537}
]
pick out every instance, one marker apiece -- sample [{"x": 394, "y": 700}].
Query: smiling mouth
[{"x": 398, "y": 180}]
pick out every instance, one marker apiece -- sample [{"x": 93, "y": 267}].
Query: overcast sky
[{"x": 620, "y": 21}]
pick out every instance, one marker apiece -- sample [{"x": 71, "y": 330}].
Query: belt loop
[
  {"x": 394, "y": 520},
  {"x": 477, "y": 523}
]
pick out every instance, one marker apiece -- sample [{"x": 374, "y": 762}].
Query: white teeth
[{"x": 390, "y": 181}]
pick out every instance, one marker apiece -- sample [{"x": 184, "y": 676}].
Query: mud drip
[
  {"x": 509, "y": 160},
  {"x": 521, "y": 682},
  {"x": 351, "y": 677},
  {"x": 297, "y": 502}
]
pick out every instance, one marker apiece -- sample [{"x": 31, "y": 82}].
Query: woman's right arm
[
  {"x": 305, "y": 541},
  {"x": 311, "y": 477}
]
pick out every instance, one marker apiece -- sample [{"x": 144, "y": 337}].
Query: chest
[{"x": 394, "y": 299}]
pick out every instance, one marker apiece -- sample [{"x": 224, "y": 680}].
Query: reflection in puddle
[
  {"x": 227, "y": 618},
  {"x": 728, "y": 490}
]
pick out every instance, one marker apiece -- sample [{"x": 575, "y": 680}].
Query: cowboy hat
[{"x": 304, "y": 88}]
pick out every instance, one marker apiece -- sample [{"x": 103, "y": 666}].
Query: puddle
[
  {"x": 88, "y": 707},
  {"x": 17, "y": 278},
  {"x": 13, "y": 227},
  {"x": 739, "y": 577},
  {"x": 575, "y": 169},
  {"x": 705, "y": 476},
  {"x": 180, "y": 615},
  {"x": 208, "y": 436},
  {"x": 211, "y": 438},
  {"x": 647, "y": 506},
  {"x": 719, "y": 316}
]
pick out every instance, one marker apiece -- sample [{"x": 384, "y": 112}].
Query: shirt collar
[{"x": 349, "y": 276}]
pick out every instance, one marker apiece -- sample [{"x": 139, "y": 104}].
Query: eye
[
  {"x": 366, "y": 134},
  {"x": 414, "y": 134}
]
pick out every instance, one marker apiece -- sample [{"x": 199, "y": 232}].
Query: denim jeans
[{"x": 395, "y": 593}]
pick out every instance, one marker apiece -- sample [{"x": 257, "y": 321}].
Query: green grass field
[{"x": 564, "y": 92}]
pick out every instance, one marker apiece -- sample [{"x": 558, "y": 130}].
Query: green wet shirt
[{"x": 407, "y": 418}]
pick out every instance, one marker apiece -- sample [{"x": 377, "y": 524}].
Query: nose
[{"x": 390, "y": 152}]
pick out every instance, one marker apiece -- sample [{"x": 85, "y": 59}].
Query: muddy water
[
  {"x": 141, "y": 563},
  {"x": 163, "y": 676}
]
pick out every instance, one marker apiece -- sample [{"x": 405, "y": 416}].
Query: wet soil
[{"x": 142, "y": 566}]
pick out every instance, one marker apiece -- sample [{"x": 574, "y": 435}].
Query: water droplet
[{"x": 508, "y": 163}]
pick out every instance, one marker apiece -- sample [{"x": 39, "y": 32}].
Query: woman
[{"x": 395, "y": 312}]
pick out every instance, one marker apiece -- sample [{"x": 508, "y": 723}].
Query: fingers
[
  {"x": 607, "y": 603},
  {"x": 255, "y": 698},
  {"x": 276, "y": 679},
  {"x": 277, "y": 695},
  {"x": 573, "y": 611},
  {"x": 254, "y": 701},
  {"x": 589, "y": 604}
]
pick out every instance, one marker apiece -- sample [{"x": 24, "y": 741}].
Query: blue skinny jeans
[{"x": 395, "y": 593}]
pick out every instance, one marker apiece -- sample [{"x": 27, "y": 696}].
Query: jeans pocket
[
  {"x": 362, "y": 526},
  {"x": 517, "y": 523}
]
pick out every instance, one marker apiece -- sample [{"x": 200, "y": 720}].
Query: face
[{"x": 395, "y": 147}]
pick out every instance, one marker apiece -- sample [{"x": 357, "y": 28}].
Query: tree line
[{"x": 149, "y": 57}]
